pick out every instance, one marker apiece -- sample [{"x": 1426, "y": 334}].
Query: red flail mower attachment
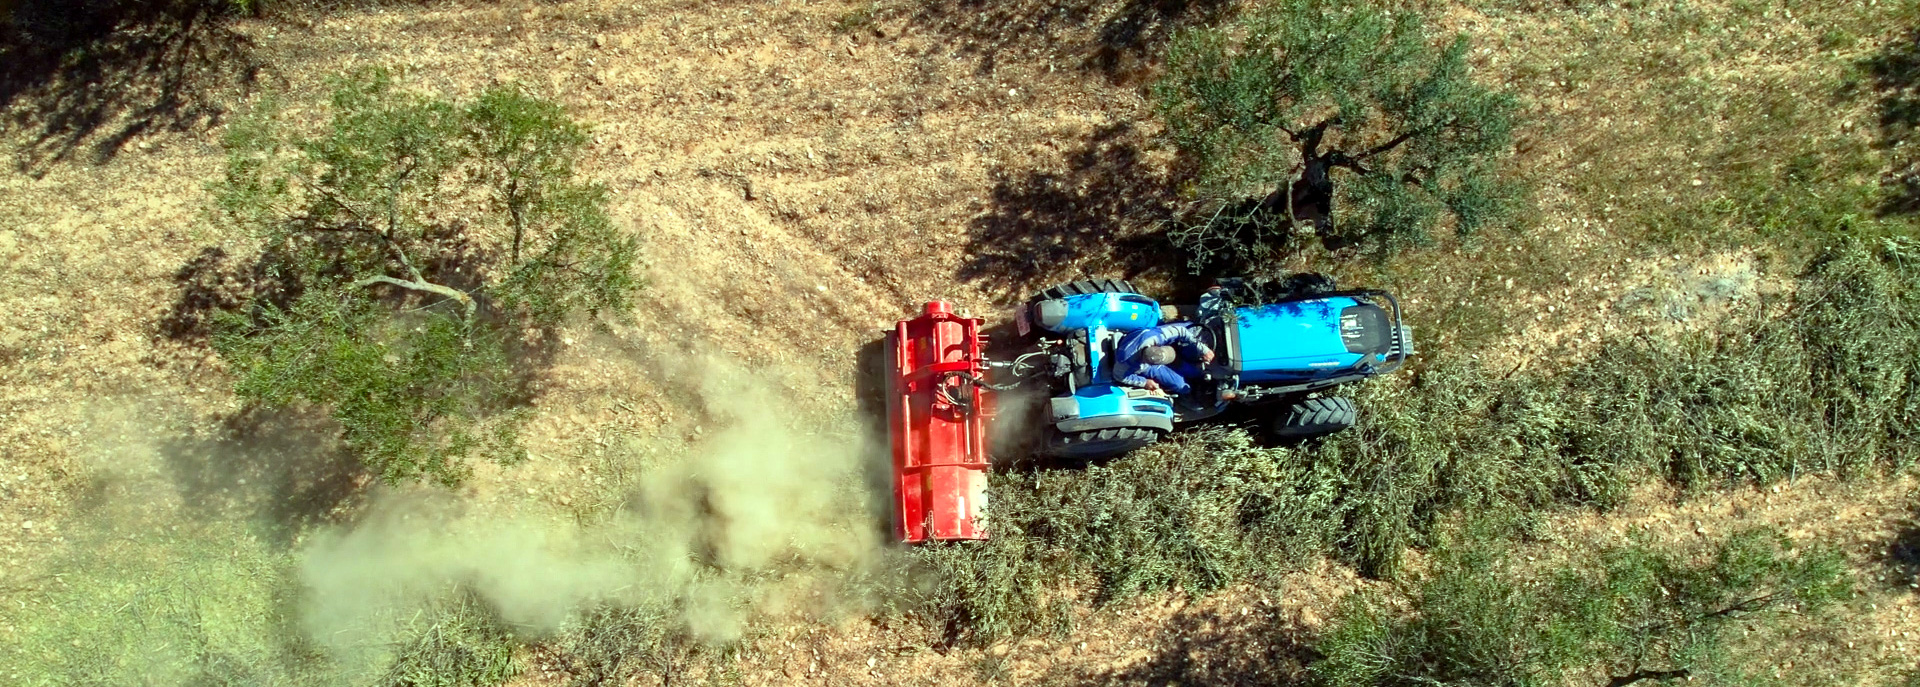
[{"x": 937, "y": 417}]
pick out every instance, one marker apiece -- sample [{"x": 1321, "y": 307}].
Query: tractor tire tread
[
  {"x": 1102, "y": 443},
  {"x": 1317, "y": 417},
  {"x": 1082, "y": 287}
]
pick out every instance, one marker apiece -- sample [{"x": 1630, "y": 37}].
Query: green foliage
[
  {"x": 208, "y": 605},
  {"x": 616, "y": 643},
  {"x": 1829, "y": 387},
  {"x": 1315, "y": 97},
  {"x": 1624, "y": 614},
  {"x": 1197, "y": 515},
  {"x": 414, "y": 394},
  {"x": 457, "y": 644},
  {"x": 409, "y": 246}
]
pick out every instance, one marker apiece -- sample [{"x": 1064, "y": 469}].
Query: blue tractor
[{"x": 1285, "y": 344}]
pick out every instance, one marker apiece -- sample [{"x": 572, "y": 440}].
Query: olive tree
[
  {"x": 1335, "y": 118},
  {"x": 413, "y": 252}
]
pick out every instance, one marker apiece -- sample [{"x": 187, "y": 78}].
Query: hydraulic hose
[{"x": 1020, "y": 368}]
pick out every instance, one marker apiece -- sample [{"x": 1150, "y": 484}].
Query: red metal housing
[{"x": 939, "y": 446}]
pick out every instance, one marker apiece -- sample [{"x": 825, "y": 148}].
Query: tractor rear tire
[
  {"x": 1317, "y": 417},
  {"x": 1095, "y": 444},
  {"x": 1084, "y": 286}
]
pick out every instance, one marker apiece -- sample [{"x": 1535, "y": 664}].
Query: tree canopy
[
  {"x": 413, "y": 250},
  {"x": 1331, "y": 117}
]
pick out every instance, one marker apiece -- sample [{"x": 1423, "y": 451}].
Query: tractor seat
[
  {"x": 1110, "y": 355},
  {"x": 1110, "y": 359},
  {"x": 1203, "y": 385}
]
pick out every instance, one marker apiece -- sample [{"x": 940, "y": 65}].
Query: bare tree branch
[
  {"x": 393, "y": 220},
  {"x": 422, "y": 285}
]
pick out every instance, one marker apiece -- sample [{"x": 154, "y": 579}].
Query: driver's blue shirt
[{"x": 1182, "y": 336}]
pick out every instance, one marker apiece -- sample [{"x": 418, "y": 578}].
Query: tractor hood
[{"x": 1311, "y": 338}]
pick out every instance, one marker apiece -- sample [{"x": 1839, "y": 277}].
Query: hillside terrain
[{"x": 802, "y": 174}]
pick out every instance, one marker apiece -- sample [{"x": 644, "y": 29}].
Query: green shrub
[
  {"x": 454, "y": 643},
  {"x": 1198, "y": 514},
  {"x": 1307, "y": 102},
  {"x": 409, "y": 248},
  {"x": 1828, "y": 387},
  {"x": 616, "y": 643},
  {"x": 1622, "y": 615}
]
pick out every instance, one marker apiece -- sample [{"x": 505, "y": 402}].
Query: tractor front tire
[
  {"x": 1095, "y": 444},
  {"x": 1084, "y": 286},
  {"x": 1316, "y": 417},
  {"x": 1310, "y": 284}
]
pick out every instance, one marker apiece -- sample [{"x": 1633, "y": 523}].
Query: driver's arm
[{"x": 1186, "y": 338}]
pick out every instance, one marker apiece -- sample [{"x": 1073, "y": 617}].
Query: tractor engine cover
[{"x": 937, "y": 414}]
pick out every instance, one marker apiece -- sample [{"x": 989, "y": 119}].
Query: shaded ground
[
  {"x": 1103, "y": 216},
  {"x": 88, "y": 78},
  {"x": 278, "y": 468},
  {"x": 1895, "y": 81},
  {"x": 1255, "y": 645},
  {"x": 1114, "y": 40},
  {"x": 1903, "y": 555}
]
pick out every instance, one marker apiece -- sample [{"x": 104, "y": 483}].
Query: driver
[{"x": 1161, "y": 358}]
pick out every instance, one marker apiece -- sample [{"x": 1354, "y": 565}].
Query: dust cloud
[
  {"x": 762, "y": 512},
  {"x": 762, "y": 508}
]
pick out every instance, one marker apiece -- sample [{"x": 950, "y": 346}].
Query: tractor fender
[
  {"x": 1123, "y": 312},
  {"x": 1159, "y": 422}
]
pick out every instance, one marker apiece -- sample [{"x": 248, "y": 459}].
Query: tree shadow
[
  {"x": 1903, "y": 555},
  {"x": 208, "y": 284},
  {"x": 1116, "y": 39},
  {"x": 1103, "y": 216},
  {"x": 870, "y": 395},
  {"x": 87, "y": 77},
  {"x": 1214, "y": 647},
  {"x": 280, "y": 467},
  {"x": 1895, "y": 78}
]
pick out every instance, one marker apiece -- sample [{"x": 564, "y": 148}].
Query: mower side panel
[
  {"x": 1110, "y": 400},
  {"x": 940, "y": 457}
]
